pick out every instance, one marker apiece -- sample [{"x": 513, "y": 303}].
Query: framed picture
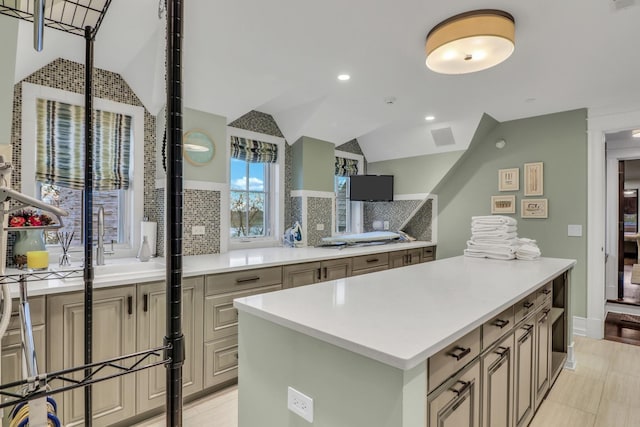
[
  {"x": 533, "y": 179},
  {"x": 509, "y": 179},
  {"x": 503, "y": 204},
  {"x": 534, "y": 208}
]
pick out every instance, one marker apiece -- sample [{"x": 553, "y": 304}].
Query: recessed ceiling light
[
  {"x": 430, "y": 118},
  {"x": 636, "y": 133},
  {"x": 344, "y": 77}
]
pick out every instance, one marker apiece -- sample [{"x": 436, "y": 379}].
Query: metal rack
[{"x": 40, "y": 385}]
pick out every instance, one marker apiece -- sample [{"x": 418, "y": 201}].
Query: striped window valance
[
  {"x": 253, "y": 151},
  {"x": 60, "y": 146},
  {"x": 346, "y": 167}
]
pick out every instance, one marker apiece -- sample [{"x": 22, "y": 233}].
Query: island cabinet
[
  {"x": 221, "y": 318},
  {"x": 151, "y": 320},
  {"x": 314, "y": 272},
  {"x": 521, "y": 352},
  {"x": 114, "y": 334},
  {"x": 406, "y": 257}
]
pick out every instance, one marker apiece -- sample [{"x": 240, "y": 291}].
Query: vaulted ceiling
[{"x": 282, "y": 57}]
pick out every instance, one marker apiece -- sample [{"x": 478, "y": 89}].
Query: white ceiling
[{"x": 282, "y": 57}]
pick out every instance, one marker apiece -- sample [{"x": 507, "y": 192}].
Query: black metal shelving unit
[{"x": 84, "y": 19}]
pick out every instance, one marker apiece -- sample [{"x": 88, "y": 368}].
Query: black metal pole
[
  {"x": 173, "y": 209},
  {"x": 88, "y": 219}
]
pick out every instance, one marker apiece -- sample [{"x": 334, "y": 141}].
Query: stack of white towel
[
  {"x": 527, "y": 249},
  {"x": 494, "y": 236}
]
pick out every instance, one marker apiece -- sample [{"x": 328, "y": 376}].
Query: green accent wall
[
  {"x": 216, "y": 127},
  {"x": 9, "y": 37},
  {"x": 415, "y": 174},
  {"x": 272, "y": 358},
  {"x": 313, "y": 164},
  {"x": 560, "y": 141}
]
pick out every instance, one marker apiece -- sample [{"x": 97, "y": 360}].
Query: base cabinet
[
  {"x": 497, "y": 384},
  {"x": 524, "y": 373},
  {"x": 151, "y": 318},
  {"x": 457, "y": 402},
  {"x": 314, "y": 272},
  {"x": 114, "y": 332},
  {"x": 543, "y": 353},
  {"x": 406, "y": 257}
]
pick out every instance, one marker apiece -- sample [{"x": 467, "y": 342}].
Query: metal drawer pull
[
  {"x": 130, "y": 305},
  {"x": 502, "y": 351},
  {"x": 370, "y": 260},
  {"x": 145, "y": 303},
  {"x": 528, "y": 304},
  {"x": 500, "y": 323},
  {"x": 248, "y": 279},
  {"x": 319, "y": 274},
  {"x": 527, "y": 327},
  {"x": 546, "y": 291},
  {"x": 545, "y": 317},
  {"x": 462, "y": 352},
  {"x": 325, "y": 272},
  {"x": 460, "y": 391}
]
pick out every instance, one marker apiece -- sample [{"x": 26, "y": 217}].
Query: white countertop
[
  {"x": 401, "y": 317},
  {"x": 124, "y": 271}
]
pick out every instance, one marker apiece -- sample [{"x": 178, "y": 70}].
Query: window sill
[{"x": 253, "y": 243}]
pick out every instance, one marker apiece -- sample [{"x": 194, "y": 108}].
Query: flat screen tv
[{"x": 371, "y": 188}]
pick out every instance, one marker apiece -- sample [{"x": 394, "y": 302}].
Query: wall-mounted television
[{"x": 371, "y": 188}]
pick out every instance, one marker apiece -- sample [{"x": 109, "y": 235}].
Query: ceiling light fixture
[
  {"x": 636, "y": 133},
  {"x": 430, "y": 118},
  {"x": 471, "y": 41},
  {"x": 344, "y": 77}
]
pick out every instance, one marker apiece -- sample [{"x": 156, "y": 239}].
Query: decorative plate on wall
[{"x": 198, "y": 147}]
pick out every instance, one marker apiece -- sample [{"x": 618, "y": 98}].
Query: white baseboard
[
  {"x": 571, "y": 358},
  {"x": 579, "y": 326}
]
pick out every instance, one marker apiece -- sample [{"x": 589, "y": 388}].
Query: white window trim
[
  {"x": 134, "y": 205},
  {"x": 357, "y": 210},
  {"x": 277, "y": 195}
]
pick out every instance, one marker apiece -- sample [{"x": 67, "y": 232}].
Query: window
[
  {"x": 53, "y": 136},
  {"x": 256, "y": 199},
  {"x": 347, "y": 213},
  {"x": 250, "y": 199}
]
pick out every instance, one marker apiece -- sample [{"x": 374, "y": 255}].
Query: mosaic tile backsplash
[
  {"x": 318, "y": 212},
  {"x": 396, "y": 212},
  {"x": 420, "y": 225}
]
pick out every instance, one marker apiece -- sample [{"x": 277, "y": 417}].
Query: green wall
[
  {"x": 214, "y": 126},
  {"x": 9, "y": 37},
  {"x": 313, "y": 164},
  {"x": 560, "y": 141},
  {"x": 415, "y": 174}
]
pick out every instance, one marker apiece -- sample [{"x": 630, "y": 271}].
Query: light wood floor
[{"x": 603, "y": 391}]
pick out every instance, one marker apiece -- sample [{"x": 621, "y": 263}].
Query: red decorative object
[{"x": 29, "y": 218}]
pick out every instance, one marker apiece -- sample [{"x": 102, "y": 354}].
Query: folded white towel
[
  {"x": 493, "y": 236},
  {"x": 498, "y": 244},
  {"x": 524, "y": 240},
  {"x": 493, "y": 219},
  {"x": 486, "y": 254},
  {"x": 527, "y": 257},
  {"x": 488, "y": 228},
  {"x": 528, "y": 250}
]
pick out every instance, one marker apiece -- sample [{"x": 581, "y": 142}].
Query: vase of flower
[{"x": 27, "y": 240}]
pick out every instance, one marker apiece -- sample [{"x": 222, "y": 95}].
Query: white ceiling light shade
[
  {"x": 635, "y": 133},
  {"x": 470, "y": 42},
  {"x": 344, "y": 77},
  {"x": 430, "y": 118}
]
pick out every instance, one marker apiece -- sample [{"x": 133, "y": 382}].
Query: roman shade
[
  {"x": 253, "y": 151},
  {"x": 60, "y": 146},
  {"x": 346, "y": 167}
]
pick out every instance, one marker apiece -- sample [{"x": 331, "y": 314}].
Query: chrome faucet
[{"x": 100, "y": 252}]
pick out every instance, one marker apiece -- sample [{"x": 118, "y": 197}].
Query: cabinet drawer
[
  {"x": 428, "y": 254},
  {"x": 36, "y": 307},
  {"x": 525, "y": 307},
  {"x": 544, "y": 293},
  {"x": 454, "y": 357},
  {"x": 368, "y": 270},
  {"x": 220, "y": 361},
  {"x": 246, "y": 279},
  {"x": 497, "y": 327},
  {"x": 221, "y": 317},
  {"x": 370, "y": 261}
]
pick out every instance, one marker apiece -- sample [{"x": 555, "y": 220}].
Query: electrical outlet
[
  {"x": 320, "y": 227},
  {"x": 197, "y": 230},
  {"x": 386, "y": 225},
  {"x": 300, "y": 404}
]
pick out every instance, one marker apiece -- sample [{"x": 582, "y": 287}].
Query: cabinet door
[
  {"x": 458, "y": 403},
  {"x": 414, "y": 256},
  {"x": 336, "y": 269},
  {"x": 301, "y": 274},
  {"x": 524, "y": 370},
  {"x": 114, "y": 334},
  {"x": 12, "y": 359},
  {"x": 497, "y": 384},
  {"x": 543, "y": 353},
  {"x": 152, "y": 330},
  {"x": 397, "y": 259}
]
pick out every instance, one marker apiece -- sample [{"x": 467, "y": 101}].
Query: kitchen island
[{"x": 383, "y": 350}]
